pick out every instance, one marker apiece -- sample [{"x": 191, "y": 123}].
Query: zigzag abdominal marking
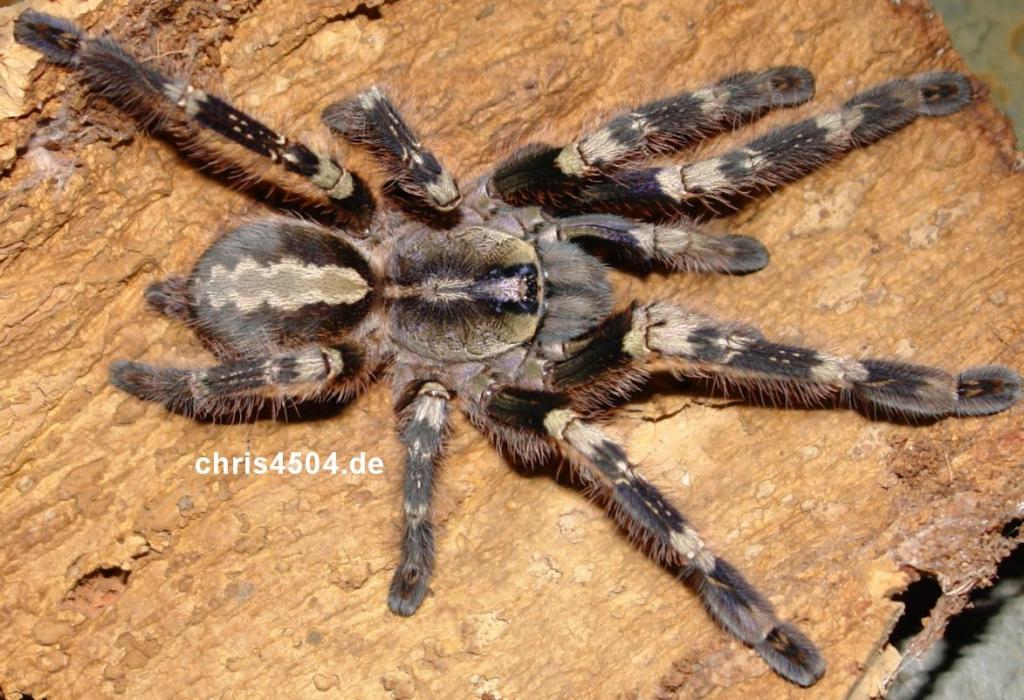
[{"x": 482, "y": 300}]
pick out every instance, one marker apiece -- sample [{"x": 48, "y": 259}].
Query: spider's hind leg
[
  {"x": 243, "y": 385},
  {"x": 654, "y": 523},
  {"x": 171, "y": 298}
]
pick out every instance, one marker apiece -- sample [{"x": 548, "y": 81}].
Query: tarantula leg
[
  {"x": 782, "y": 155},
  {"x": 656, "y": 524},
  {"x": 705, "y": 346},
  {"x": 424, "y": 423},
  {"x": 669, "y": 125},
  {"x": 171, "y": 298},
  {"x": 370, "y": 119},
  {"x": 680, "y": 246},
  {"x": 180, "y": 109},
  {"x": 596, "y": 370},
  {"x": 550, "y": 175},
  {"x": 233, "y": 386}
]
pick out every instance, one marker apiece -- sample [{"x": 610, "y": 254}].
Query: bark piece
[{"x": 125, "y": 571}]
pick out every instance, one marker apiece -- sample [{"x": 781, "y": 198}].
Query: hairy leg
[
  {"x": 678, "y": 246},
  {"x": 779, "y": 156},
  {"x": 551, "y": 175},
  {"x": 204, "y": 122},
  {"x": 703, "y": 346},
  {"x": 240, "y": 386},
  {"x": 370, "y": 119},
  {"x": 654, "y": 523},
  {"x": 171, "y": 298},
  {"x": 424, "y": 421}
]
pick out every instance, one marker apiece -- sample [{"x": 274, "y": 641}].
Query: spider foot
[
  {"x": 792, "y": 655},
  {"x": 409, "y": 584},
  {"x": 164, "y": 385},
  {"x": 54, "y": 37},
  {"x": 741, "y": 610},
  {"x": 986, "y": 389},
  {"x": 942, "y": 93},
  {"x": 170, "y": 297}
]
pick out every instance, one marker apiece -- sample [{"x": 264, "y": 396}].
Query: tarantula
[{"x": 489, "y": 301}]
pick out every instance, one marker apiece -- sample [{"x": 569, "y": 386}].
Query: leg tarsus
[
  {"x": 792, "y": 655},
  {"x": 791, "y": 86},
  {"x": 741, "y": 610},
  {"x": 942, "y": 93},
  {"x": 171, "y": 298},
  {"x": 54, "y": 37},
  {"x": 167, "y": 386},
  {"x": 412, "y": 576},
  {"x": 987, "y": 389}
]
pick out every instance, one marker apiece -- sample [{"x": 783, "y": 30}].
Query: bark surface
[{"x": 123, "y": 571}]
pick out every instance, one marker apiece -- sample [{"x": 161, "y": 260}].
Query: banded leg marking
[
  {"x": 669, "y": 125},
  {"x": 370, "y": 118},
  {"x": 782, "y": 155},
  {"x": 551, "y": 175},
  {"x": 731, "y": 351},
  {"x": 658, "y": 526},
  {"x": 424, "y": 424},
  {"x": 235, "y": 386},
  {"x": 680, "y": 246},
  {"x": 173, "y": 105},
  {"x": 648, "y": 515}
]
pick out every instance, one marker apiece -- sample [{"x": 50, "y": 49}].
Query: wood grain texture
[{"x": 122, "y": 571}]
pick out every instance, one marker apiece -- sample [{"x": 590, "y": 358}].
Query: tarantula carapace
[{"x": 488, "y": 302}]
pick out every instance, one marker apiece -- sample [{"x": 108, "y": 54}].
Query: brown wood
[{"x": 124, "y": 571}]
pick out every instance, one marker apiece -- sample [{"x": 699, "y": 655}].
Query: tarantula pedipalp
[{"x": 492, "y": 306}]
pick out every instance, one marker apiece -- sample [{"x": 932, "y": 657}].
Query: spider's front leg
[
  {"x": 370, "y": 119},
  {"x": 781, "y": 155},
  {"x": 553, "y": 176},
  {"x": 518, "y": 416},
  {"x": 240, "y": 385},
  {"x": 199, "y": 119},
  {"x": 424, "y": 422}
]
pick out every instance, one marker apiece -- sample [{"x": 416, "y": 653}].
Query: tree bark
[{"x": 123, "y": 571}]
